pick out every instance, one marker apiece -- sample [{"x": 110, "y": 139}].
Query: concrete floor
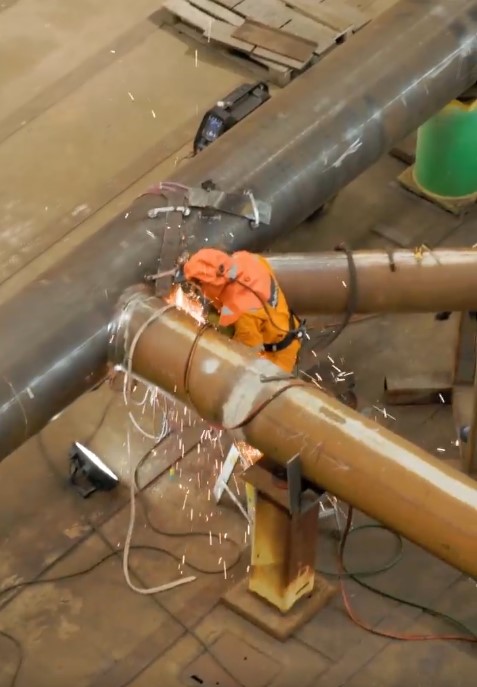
[{"x": 97, "y": 102}]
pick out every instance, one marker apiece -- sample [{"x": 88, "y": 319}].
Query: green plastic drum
[{"x": 446, "y": 152}]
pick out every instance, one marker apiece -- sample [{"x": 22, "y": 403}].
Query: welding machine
[{"x": 228, "y": 112}]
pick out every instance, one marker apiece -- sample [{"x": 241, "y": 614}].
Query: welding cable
[
  {"x": 127, "y": 365},
  {"x": 114, "y": 554},
  {"x": 191, "y": 533},
  {"x": 351, "y": 304},
  {"x": 85, "y": 571},
  {"x": 471, "y": 635},
  {"x": 20, "y": 654},
  {"x": 111, "y": 555},
  {"x": 132, "y": 491},
  {"x": 127, "y": 547},
  {"x": 352, "y": 300}
]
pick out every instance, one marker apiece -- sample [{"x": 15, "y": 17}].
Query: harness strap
[{"x": 294, "y": 334}]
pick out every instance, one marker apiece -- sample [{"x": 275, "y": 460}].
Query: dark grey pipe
[{"x": 295, "y": 152}]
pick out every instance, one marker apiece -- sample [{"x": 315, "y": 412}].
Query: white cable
[
  {"x": 132, "y": 487},
  {"x": 136, "y": 424},
  {"x": 128, "y": 377}
]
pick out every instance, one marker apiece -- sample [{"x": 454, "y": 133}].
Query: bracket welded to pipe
[{"x": 350, "y": 456}]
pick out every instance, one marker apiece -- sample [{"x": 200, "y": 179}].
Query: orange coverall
[{"x": 244, "y": 291}]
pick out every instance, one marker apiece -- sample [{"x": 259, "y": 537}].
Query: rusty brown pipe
[
  {"x": 362, "y": 463},
  {"x": 397, "y": 281}
]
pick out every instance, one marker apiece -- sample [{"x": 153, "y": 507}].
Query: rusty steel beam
[
  {"x": 397, "y": 281},
  {"x": 294, "y": 153},
  {"x": 350, "y": 456}
]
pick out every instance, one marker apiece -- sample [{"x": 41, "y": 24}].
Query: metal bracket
[
  {"x": 209, "y": 197},
  {"x": 300, "y": 498},
  {"x": 154, "y": 213},
  {"x": 239, "y": 204}
]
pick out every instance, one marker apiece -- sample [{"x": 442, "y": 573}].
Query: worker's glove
[{"x": 213, "y": 318}]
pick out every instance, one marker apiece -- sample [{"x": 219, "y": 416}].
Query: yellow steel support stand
[{"x": 283, "y": 590}]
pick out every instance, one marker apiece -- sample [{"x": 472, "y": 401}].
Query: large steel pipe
[
  {"x": 366, "y": 465},
  {"x": 295, "y": 153},
  {"x": 397, "y": 281}
]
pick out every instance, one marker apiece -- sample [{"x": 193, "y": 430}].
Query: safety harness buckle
[{"x": 292, "y": 335}]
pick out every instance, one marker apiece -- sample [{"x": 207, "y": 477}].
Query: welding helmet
[
  {"x": 234, "y": 284},
  {"x": 208, "y": 270}
]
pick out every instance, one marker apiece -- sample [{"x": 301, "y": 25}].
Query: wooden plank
[
  {"x": 393, "y": 235},
  {"x": 324, "y": 37},
  {"x": 218, "y": 12},
  {"x": 418, "y": 389},
  {"x": 275, "y": 58},
  {"x": 405, "y": 150},
  {"x": 230, "y": 4},
  {"x": 224, "y": 34},
  {"x": 277, "y": 41},
  {"x": 263, "y": 68},
  {"x": 345, "y": 12},
  {"x": 189, "y": 14},
  {"x": 374, "y": 8},
  {"x": 321, "y": 14},
  {"x": 272, "y": 13}
]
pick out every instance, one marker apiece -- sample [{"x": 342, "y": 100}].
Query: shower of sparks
[
  {"x": 189, "y": 304},
  {"x": 248, "y": 454},
  {"x": 149, "y": 402},
  {"x": 384, "y": 412}
]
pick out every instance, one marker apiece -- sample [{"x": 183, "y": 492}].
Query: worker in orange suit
[{"x": 243, "y": 290}]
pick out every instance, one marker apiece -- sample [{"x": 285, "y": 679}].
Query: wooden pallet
[{"x": 277, "y": 39}]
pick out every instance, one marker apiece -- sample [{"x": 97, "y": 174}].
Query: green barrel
[{"x": 446, "y": 152}]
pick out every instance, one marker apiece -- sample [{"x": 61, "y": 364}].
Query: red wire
[{"x": 382, "y": 633}]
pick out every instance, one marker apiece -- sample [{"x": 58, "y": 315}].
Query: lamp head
[{"x": 87, "y": 467}]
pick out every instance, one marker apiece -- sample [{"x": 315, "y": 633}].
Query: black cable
[
  {"x": 358, "y": 575},
  {"x": 19, "y": 649},
  {"x": 352, "y": 301},
  {"x": 192, "y": 533},
  {"x": 85, "y": 571},
  {"x": 115, "y": 553}
]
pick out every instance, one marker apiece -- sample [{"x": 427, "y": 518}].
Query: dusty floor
[{"x": 96, "y": 102}]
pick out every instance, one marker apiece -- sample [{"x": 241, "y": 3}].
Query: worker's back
[
  {"x": 269, "y": 320},
  {"x": 243, "y": 289}
]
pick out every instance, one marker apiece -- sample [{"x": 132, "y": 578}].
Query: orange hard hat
[{"x": 235, "y": 283}]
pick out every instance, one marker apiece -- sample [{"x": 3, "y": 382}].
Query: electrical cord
[
  {"x": 85, "y": 571},
  {"x": 19, "y": 649},
  {"x": 209, "y": 535},
  {"x": 115, "y": 553},
  {"x": 357, "y": 576}
]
